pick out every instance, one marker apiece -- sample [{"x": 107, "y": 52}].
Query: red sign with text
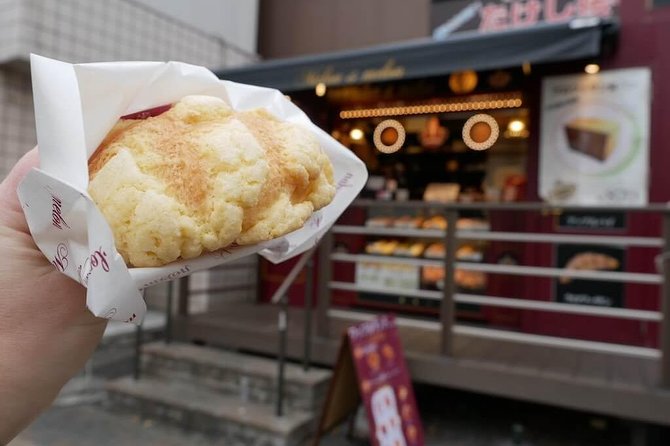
[
  {"x": 501, "y": 15},
  {"x": 384, "y": 383}
]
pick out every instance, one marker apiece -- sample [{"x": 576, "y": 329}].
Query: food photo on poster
[
  {"x": 574, "y": 290},
  {"x": 594, "y": 147}
]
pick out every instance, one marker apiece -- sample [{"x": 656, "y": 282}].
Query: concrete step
[
  {"x": 247, "y": 376},
  {"x": 195, "y": 408},
  {"x": 115, "y": 354}
]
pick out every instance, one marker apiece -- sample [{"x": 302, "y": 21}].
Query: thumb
[{"x": 9, "y": 201}]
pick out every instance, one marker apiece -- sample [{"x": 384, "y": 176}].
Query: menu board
[
  {"x": 371, "y": 368},
  {"x": 590, "y": 292},
  {"x": 594, "y": 138},
  {"x": 384, "y": 383}
]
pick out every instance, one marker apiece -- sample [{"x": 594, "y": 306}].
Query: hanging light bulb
[
  {"x": 320, "y": 89},
  {"x": 516, "y": 126},
  {"x": 592, "y": 68},
  {"x": 356, "y": 134}
]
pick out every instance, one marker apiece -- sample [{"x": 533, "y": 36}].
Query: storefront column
[{"x": 665, "y": 304}]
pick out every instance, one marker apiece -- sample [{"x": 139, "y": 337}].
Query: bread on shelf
[
  {"x": 379, "y": 222},
  {"x": 472, "y": 224},
  {"x": 382, "y": 247},
  {"x": 409, "y": 249},
  {"x": 408, "y": 222},
  {"x": 435, "y": 251},
  {"x": 435, "y": 222}
]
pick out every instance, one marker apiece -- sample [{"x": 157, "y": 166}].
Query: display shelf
[
  {"x": 392, "y": 232},
  {"x": 343, "y": 257}
]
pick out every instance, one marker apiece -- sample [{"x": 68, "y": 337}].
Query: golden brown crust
[{"x": 201, "y": 177}]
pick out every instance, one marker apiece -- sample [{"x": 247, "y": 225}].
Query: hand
[{"x": 46, "y": 331}]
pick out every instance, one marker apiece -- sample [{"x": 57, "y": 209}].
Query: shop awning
[{"x": 428, "y": 57}]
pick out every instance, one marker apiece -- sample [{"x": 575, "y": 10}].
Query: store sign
[
  {"x": 589, "y": 292},
  {"x": 591, "y": 221},
  {"x": 371, "y": 367},
  {"x": 500, "y": 15},
  {"x": 594, "y": 138},
  {"x": 329, "y": 75}
]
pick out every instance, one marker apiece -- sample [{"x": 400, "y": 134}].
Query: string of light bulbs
[{"x": 478, "y": 102}]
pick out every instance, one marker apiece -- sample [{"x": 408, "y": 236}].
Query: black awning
[{"x": 428, "y": 57}]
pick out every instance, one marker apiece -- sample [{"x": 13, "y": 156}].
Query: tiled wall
[
  {"x": 17, "y": 123},
  {"x": 87, "y": 31}
]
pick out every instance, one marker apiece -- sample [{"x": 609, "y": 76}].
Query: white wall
[{"x": 234, "y": 20}]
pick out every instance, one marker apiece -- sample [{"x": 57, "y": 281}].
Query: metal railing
[
  {"x": 449, "y": 296},
  {"x": 184, "y": 292},
  {"x": 280, "y": 297},
  {"x": 139, "y": 331}
]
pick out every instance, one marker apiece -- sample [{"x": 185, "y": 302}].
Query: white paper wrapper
[{"x": 75, "y": 107}]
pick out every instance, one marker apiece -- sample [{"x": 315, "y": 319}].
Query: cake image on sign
[
  {"x": 196, "y": 176},
  {"x": 388, "y": 426},
  {"x": 593, "y": 137}
]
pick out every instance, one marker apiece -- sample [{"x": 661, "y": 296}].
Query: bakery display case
[
  {"x": 470, "y": 155},
  {"x": 425, "y": 144},
  {"x": 403, "y": 250}
]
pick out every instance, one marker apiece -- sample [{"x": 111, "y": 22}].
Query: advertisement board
[{"x": 594, "y": 138}]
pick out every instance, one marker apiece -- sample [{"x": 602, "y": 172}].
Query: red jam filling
[{"x": 150, "y": 113}]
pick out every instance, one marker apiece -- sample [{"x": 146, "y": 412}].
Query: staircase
[{"x": 228, "y": 395}]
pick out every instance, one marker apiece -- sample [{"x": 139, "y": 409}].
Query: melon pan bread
[{"x": 201, "y": 177}]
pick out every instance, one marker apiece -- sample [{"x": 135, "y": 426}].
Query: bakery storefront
[{"x": 492, "y": 110}]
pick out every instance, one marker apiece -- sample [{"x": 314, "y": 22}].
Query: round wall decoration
[
  {"x": 389, "y": 136},
  {"x": 480, "y": 132}
]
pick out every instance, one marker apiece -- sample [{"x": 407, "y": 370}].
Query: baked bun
[{"x": 201, "y": 177}]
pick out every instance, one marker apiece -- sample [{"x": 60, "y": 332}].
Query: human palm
[{"x": 46, "y": 331}]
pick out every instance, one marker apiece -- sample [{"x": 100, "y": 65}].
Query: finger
[{"x": 11, "y": 214}]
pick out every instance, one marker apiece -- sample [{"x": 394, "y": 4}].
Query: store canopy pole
[
  {"x": 448, "y": 307},
  {"x": 427, "y": 57}
]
